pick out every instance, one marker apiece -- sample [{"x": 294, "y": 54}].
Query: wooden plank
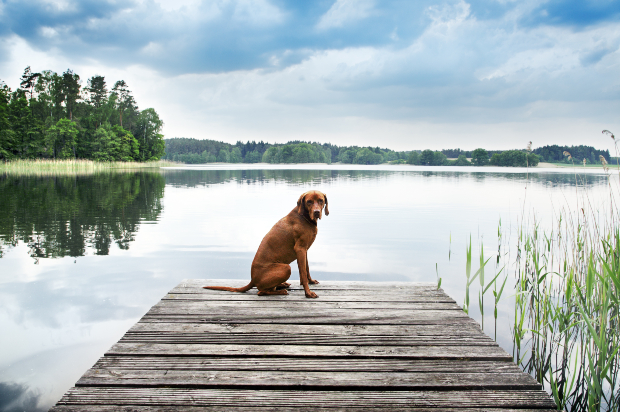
[
  {"x": 180, "y": 408},
  {"x": 227, "y": 319},
  {"x": 403, "y": 315},
  {"x": 332, "y": 284},
  {"x": 302, "y": 364},
  {"x": 324, "y": 291},
  {"x": 328, "y": 295},
  {"x": 307, "y": 379},
  {"x": 299, "y": 296},
  {"x": 419, "y": 352},
  {"x": 291, "y": 310},
  {"x": 233, "y": 398},
  {"x": 447, "y": 330},
  {"x": 376, "y": 287},
  {"x": 306, "y": 304},
  {"x": 261, "y": 339},
  {"x": 315, "y": 317}
]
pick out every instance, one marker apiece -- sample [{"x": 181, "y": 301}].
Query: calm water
[{"x": 83, "y": 258}]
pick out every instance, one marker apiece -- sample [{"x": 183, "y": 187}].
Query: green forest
[
  {"x": 54, "y": 116},
  {"x": 555, "y": 153},
  {"x": 188, "y": 150}
]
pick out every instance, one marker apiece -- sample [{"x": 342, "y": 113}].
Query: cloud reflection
[{"x": 15, "y": 397}]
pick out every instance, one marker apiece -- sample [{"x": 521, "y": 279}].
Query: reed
[
  {"x": 72, "y": 166},
  {"x": 469, "y": 280},
  {"x": 566, "y": 331},
  {"x": 566, "y": 326}
]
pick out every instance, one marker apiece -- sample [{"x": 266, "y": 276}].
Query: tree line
[
  {"x": 556, "y": 153},
  {"x": 188, "y": 150},
  {"x": 53, "y": 116}
]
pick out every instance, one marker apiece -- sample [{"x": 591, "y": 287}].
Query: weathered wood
[
  {"x": 179, "y": 408},
  {"x": 232, "y": 398},
  {"x": 419, "y": 352},
  {"x": 304, "y": 303},
  {"x": 471, "y": 329},
  {"x": 360, "y": 346},
  {"x": 328, "y": 295},
  {"x": 338, "y": 340},
  {"x": 315, "y": 318},
  {"x": 318, "y": 315},
  {"x": 307, "y": 379},
  {"x": 340, "y": 308},
  {"x": 302, "y": 364},
  {"x": 393, "y": 294},
  {"x": 340, "y": 285}
]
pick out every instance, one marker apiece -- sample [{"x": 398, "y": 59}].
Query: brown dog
[{"x": 289, "y": 239}]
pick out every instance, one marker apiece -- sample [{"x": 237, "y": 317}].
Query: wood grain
[
  {"x": 301, "y": 364},
  {"x": 359, "y": 346},
  {"x": 233, "y": 398},
  {"x": 419, "y": 352}
]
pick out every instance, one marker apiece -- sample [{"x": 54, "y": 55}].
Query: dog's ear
[
  {"x": 301, "y": 203},
  {"x": 326, "y": 208}
]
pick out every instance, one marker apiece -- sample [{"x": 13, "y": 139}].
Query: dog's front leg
[
  {"x": 302, "y": 264},
  {"x": 310, "y": 280}
]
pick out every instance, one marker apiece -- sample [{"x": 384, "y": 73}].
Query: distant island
[{"x": 195, "y": 151}]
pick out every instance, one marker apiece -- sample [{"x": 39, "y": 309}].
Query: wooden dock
[{"x": 359, "y": 346}]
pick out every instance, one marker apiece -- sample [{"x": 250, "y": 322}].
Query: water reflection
[
  {"x": 66, "y": 215},
  {"x": 16, "y": 397},
  {"x": 194, "y": 178},
  {"x": 59, "y": 316}
]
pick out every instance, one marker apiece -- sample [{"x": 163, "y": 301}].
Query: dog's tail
[{"x": 243, "y": 289}]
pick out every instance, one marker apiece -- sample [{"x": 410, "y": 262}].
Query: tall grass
[
  {"x": 566, "y": 331},
  {"x": 72, "y": 166},
  {"x": 566, "y": 326}
]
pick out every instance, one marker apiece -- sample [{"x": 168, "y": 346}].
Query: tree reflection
[
  {"x": 66, "y": 215},
  {"x": 197, "y": 177}
]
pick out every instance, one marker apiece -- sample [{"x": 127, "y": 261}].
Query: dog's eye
[{"x": 310, "y": 202}]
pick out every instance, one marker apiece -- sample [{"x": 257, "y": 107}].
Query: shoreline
[{"x": 82, "y": 166}]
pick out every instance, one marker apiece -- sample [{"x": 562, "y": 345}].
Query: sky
[{"x": 400, "y": 74}]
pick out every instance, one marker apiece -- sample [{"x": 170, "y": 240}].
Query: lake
[{"x": 82, "y": 258}]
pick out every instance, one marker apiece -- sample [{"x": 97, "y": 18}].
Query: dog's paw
[
  {"x": 313, "y": 282},
  {"x": 312, "y": 295}
]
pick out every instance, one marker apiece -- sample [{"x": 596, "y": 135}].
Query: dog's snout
[{"x": 317, "y": 213}]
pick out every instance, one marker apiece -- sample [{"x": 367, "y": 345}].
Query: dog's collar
[{"x": 312, "y": 222}]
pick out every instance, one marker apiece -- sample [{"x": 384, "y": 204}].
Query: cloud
[
  {"x": 175, "y": 5},
  {"x": 199, "y": 37},
  {"x": 595, "y": 55},
  {"x": 446, "y": 16},
  {"x": 257, "y": 12},
  {"x": 575, "y": 13},
  {"x": 459, "y": 70},
  {"x": 188, "y": 36},
  {"x": 238, "y": 69},
  {"x": 345, "y": 11},
  {"x": 208, "y": 36}
]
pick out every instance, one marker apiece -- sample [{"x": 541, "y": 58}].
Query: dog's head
[{"x": 310, "y": 204}]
